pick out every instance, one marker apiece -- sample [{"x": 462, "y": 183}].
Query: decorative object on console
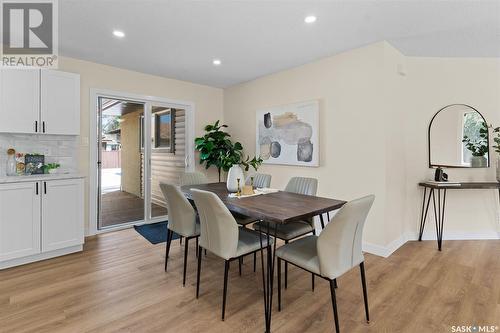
[
  {"x": 458, "y": 138},
  {"x": 11, "y": 162},
  {"x": 34, "y": 164},
  {"x": 496, "y": 146},
  {"x": 440, "y": 175},
  {"x": 289, "y": 134}
]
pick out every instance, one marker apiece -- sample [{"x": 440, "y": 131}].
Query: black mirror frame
[{"x": 432, "y": 166}]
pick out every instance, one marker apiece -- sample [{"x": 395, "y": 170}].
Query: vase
[
  {"x": 235, "y": 173},
  {"x": 478, "y": 162},
  {"x": 11, "y": 166}
]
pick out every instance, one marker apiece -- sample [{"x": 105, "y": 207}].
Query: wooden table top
[
  {"x": 462, "y": 185},
  {"x": 281, "y": 207}
]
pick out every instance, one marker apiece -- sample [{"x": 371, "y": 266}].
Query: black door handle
[
  {"x": 43, "y": 126},
  {"x": 36, "y": 190},
  {"x": 44, "y": 187},
  {"x": 36, "y": 126}
]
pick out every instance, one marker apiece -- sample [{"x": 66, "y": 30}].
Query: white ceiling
[{"x": 179, "y": 39}]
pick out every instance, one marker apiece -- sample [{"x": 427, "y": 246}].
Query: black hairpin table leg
[
  {"x": 439, "y": 210},
  {"x": 425, "y": 210},
  {"x": 439, "y": 205},
  {"x": 268, "y": 277}
]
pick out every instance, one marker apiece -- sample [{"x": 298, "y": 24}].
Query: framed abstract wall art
[{"x": 289, "y": 134}]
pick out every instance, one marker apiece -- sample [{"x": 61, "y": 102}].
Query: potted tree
[
  {"x": 478, "y": 147},
  {"x": 217, "y": 149}
]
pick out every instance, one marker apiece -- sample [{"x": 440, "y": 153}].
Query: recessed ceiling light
[
  {"x": 216, "y": 62},
  {"x": 310, "y": 19},
  {"x": 118, "y": 33}
]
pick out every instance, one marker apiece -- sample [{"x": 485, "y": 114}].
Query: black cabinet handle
[
  {"x": 44, "y": 187},
  {"x": 43, "y": 126},
  {"x": 36, "y": 126},
  {"x": 36, "y": 190}
]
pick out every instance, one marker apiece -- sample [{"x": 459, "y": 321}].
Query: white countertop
[{"x": 35, "y": 178}]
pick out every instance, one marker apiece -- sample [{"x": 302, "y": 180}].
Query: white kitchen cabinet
[
  {"x": 19, "y": 220},
  {"x": 40, "y": 218},
  {"x": 62, "y": 214},
  {"x": 19, "y": 100},
  {"x": 60, "y": 102}
]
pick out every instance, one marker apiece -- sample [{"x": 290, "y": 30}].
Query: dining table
[{"x": 271, "y": 208}]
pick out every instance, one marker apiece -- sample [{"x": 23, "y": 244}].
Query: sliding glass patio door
[{"x": 140, "y": 145}]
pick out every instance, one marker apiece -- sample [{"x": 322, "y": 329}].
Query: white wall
[
  {"x": 208, "y": 100},
  {"x": 375, "y": 106},
  {"x": 354, "y": 127},
  {"x": 434, "y": 83}
]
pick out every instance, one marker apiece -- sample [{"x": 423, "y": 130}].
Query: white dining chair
[
  {"x": 221, "y": 235},
  {"x": 334, "y": 252},
  {"x": 260, "y": 180},
  {"x": 293, "y": 230},
  {"x": 193, "y": 178},
  {"x": 182, "y": 219}
]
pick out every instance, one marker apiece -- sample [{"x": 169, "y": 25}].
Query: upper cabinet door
[
  {"x": 19, "y": 100},
  {"x": 60, "y": 102},
  {"x": 62, "y": 214},
  {"x": 19, "y": 220}
]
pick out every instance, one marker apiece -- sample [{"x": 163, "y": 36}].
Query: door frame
[{"x": 95, "y": 93}]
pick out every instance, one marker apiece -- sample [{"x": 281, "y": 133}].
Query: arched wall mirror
[{"x": 458, "y": 138}]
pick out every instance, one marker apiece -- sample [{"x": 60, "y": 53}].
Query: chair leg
[
  {"x": 365, "y": 293},
  {"x": 335, "y": 283},
  {"x": 180, "y": 240},
  {"x": 286, "y": 271},
  {"x": 322, "y": 221},
  {"x": 334, "y": 305},
  {"x": 198, "y": 273},
  {"x": 312, "y": 281},
  {"x": 279, "y": 284},
  {"x": 224, "y": 294},
  {"x": 240, "y": 261},
  {"x": 254, "y": 261},
  {"x": 196, "y": 247},
  {"x": 185, "y": 261},
  {"x": 167, "y": 247}
]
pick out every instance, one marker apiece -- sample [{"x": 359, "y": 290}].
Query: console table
[{"x": 439, "y": 207}]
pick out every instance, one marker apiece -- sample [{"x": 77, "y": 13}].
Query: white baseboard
[{"x": 386, "y": 251}]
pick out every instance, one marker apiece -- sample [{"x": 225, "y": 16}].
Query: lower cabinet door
[
  {"x": 62, "y": 214},
  {"x": 19, "y": 220}
]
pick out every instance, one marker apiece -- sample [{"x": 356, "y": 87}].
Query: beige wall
[
  {"x": 131, "y": 155},
  {"x": 434, "y": 83},
  {"x": 353, "y": 125},
  {"x": 375, "y": 106},
  {"x": 208, "y": 100}
]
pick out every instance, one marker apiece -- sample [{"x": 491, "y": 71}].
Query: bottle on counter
[{"x": 11, "y": 163}]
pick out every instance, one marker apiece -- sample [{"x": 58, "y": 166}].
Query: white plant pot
[
  {"x": 235, "y": 173},
  {"x": 478, "y": 162},
  {"x": 52, "y": 171}
]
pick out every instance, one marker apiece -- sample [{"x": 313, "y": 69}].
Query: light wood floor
[{"x": 118, "y": 285}]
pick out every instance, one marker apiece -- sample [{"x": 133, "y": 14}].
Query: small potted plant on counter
[
  {"x": 478, "y": 147},
  {"x": 51, "y": 168}
]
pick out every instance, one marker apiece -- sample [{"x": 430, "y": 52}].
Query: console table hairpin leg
[{"x": 439, "y": 209}]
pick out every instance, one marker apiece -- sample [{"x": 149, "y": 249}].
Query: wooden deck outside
[{"x": 121, "y": 207}]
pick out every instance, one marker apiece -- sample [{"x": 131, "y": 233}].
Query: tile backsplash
[{"x": 56, "y": 148}]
